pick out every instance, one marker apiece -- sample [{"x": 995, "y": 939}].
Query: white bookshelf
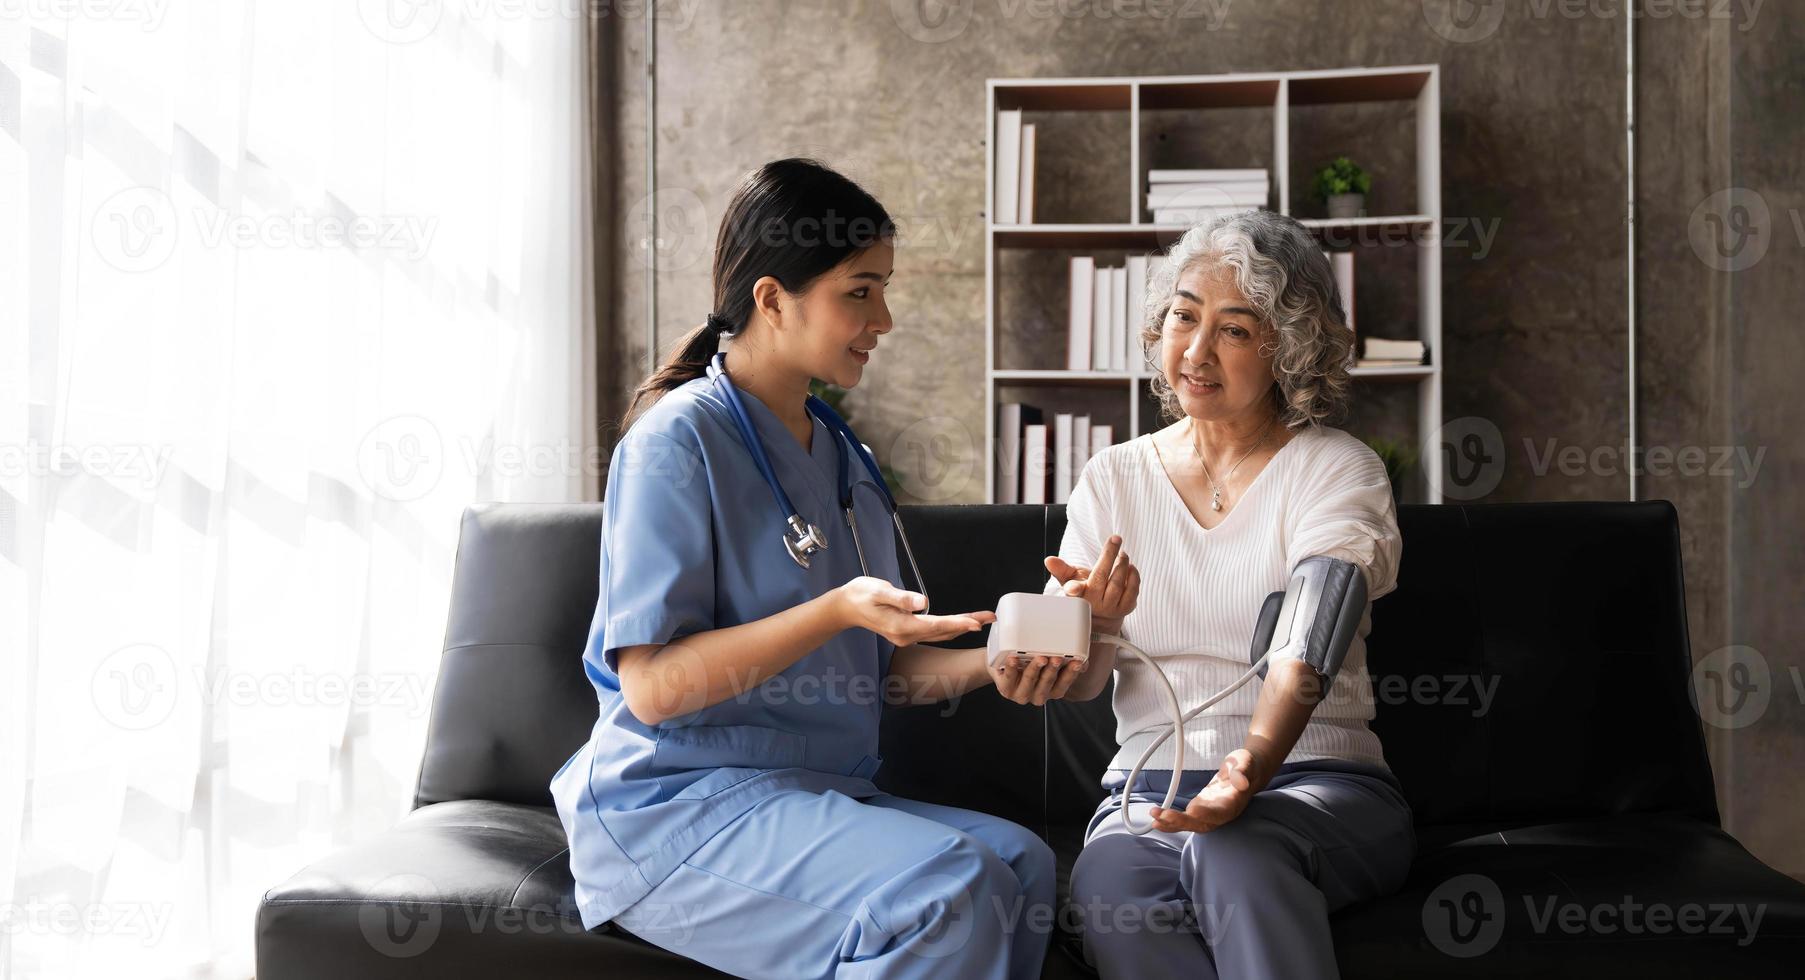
[{"x": 1275, "y": 90}]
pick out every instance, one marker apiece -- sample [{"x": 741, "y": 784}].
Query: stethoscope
[{"x": 802, "y": 539}]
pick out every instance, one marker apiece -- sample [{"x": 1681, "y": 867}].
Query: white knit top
[{"x": 1324, "y": 493}]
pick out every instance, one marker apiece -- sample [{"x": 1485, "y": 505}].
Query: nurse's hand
[{"x": 889, "y": 612}]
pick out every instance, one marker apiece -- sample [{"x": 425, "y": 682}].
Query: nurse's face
[{"x": 843, "y": 313}]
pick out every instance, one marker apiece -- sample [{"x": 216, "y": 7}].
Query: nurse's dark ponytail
[{"x": 791, "y": 219}]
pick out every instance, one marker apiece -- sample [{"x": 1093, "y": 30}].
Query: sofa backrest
[{"x": 1533, "y": 662}]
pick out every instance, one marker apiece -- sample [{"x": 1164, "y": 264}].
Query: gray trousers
[{"x": 1251, "y": 898}]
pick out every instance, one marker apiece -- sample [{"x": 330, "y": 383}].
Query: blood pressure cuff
[{"x": 1315, "y": 618}]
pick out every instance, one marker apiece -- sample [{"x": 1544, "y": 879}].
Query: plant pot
[{"x": 1347, "y": 205}]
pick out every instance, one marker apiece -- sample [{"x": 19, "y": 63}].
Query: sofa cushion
[{"x": 459, "y": 889}]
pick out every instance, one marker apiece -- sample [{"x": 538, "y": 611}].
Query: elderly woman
[{"x": 1289, "y": 811}]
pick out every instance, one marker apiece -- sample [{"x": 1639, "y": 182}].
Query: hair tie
[{"x": 719, "y": 324}]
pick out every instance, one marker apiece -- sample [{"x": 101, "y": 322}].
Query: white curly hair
[{"x": 1280, "y": 268}]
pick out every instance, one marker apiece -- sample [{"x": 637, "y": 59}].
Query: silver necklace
[{"x": 1197, "y": 446}]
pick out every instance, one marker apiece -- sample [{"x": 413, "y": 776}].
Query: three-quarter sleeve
[
  {"x": 1347, "y": 512},
  {"x": 659, "y": 579},
  {"x": 1086, "y": 517}
]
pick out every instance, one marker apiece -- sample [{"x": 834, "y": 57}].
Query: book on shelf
[
  {"x": 1102, "y": 437},
  {"x": 1009, "y": 167},
  {"x": 1136, "y": 275},
  {"x": 1195, "y": 196},
  {"x": 1024, "y": 206},
  {"x": 1118, "y": 318},
  {"x": 1100, "y": 322},
  {"x": 1078, "y": 323},
  {"x": 1377, "y": 349},
  {"x": 1011, "y": 418},
  {"x": 1206, "y": 195},
  {"x": 1342, "y": 268},
  {"x": 1062, "y": 457},
  {"x": 1035, "y": 468},
  {"x": 1195, "y": 216},
  {"x": 1106, "y": 305},
  {"x": 1243, "y": 175},
  {"x": 1081, "y": 447}
]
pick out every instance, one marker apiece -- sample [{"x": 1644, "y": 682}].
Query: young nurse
[{"x": 723, "y": 807}]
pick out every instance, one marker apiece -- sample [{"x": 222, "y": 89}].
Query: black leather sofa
[{"x": 1555, "y": 813}]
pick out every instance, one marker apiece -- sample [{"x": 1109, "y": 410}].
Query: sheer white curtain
[{"x": 284, "y": 285}]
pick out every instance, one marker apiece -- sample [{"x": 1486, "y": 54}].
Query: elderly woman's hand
[
  {"x": 1221, "y": 801},
  {"x": 1111, "y": 586}
]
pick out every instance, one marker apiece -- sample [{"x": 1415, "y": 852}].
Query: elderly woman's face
[{"x": 1210, "y": 351}]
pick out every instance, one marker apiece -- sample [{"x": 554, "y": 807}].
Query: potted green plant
[
  {"x": 1399, "y": 458},
  {"x": 1342, "y": 186}
]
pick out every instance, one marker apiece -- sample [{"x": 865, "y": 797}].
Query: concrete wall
[{"x": 1535, "y": 323}]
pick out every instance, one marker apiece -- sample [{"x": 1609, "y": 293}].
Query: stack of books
[
  {"x": 1015, "y": 170},
  {"x": 1036, "y": 470},
  {"x": 1393, "y": 353},
  {"x": 1189, "y": 197},
  {"x": 1105, "y": 312}
]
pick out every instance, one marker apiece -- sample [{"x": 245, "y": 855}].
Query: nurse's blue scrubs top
[{"x": 692, "y": 541}]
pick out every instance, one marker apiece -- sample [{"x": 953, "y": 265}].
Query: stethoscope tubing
[{"x": 843, "y": 436}]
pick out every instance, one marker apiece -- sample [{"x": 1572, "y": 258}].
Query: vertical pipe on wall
[{"x": 1629, "y": 132}]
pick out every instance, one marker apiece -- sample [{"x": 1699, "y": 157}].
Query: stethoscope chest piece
[{"x": 803, "y": 540}]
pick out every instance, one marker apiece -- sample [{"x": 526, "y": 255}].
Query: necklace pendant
[{"x": 1216, "y": 501}]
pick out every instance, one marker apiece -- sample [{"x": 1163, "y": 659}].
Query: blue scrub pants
[
  {"x": 1251, "y": 898},
  {"x": 810, "y": 884}
]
